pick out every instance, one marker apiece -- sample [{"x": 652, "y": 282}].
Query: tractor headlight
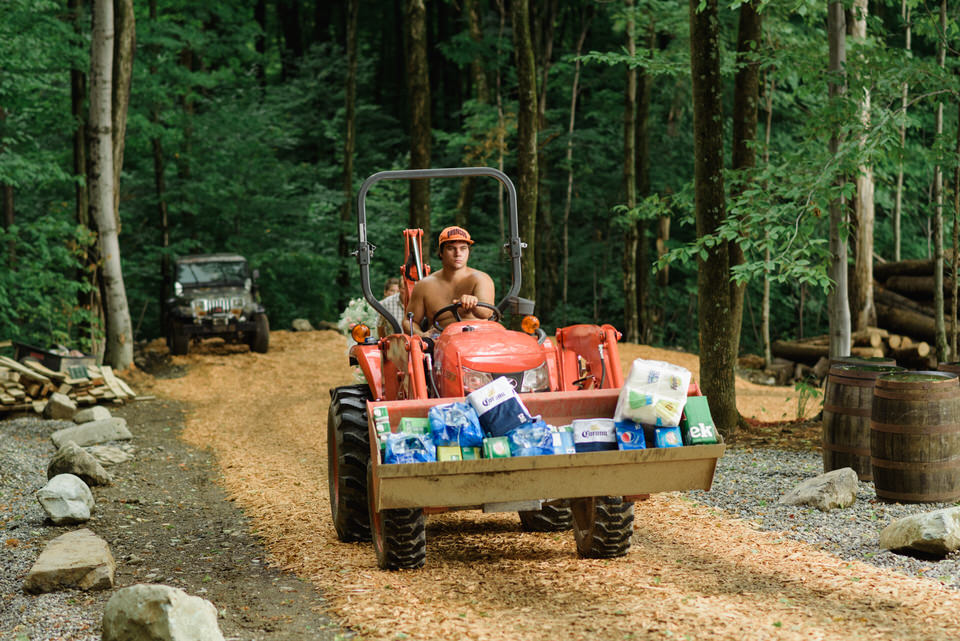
[
  {"x": 536, "y": 380},
  {"x": 474, "y": 380}
]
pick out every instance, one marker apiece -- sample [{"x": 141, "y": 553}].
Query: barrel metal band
[
  {"x": 843, "y": 449},
  {"x": 918, "y": 394},
  {"x": 848, "y": 411},
  {"x": 953, "y": 462},
  {"x": 916, "y": 430},
  {"x": 922, "y": 497},
  {"x": 853, "y": 382}
]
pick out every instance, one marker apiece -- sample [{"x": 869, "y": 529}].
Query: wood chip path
[{"x": 692, "y": 573}]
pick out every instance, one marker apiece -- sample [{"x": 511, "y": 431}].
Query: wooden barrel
[
  {"x": 953, "y": 368},
  {"x": 915, "y": 437},
  {"x": 847, "y": 403}
]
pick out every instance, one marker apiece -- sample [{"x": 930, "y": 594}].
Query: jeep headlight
[
  {"x": 199, "y": 306},
  {"x": 474, "y": 380},
  {"x": 536, "y": 380},
  {"x": 236, "y": 305}
]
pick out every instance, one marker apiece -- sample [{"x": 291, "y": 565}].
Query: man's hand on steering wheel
[{"x": 465, "y": 300}]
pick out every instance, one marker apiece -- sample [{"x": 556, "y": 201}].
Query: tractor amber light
[
  {"x": 360, "y": 332},
  {"x": 530, "y": 324}
]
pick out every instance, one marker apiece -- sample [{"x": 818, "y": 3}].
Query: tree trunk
[
  {"x": 478, "y": 74},
  {"x": 765, "y": 305},
  {"x": 838, "y": 302},
  {"x": 546, "y": 251},
  {"x": 160, "y": 186},
  {"x": 6, "y": 196},
  {"x": 746, "y": 98},
  {"x": 418, "y": 93},
  {"x": 898, "y": 199},
  {"x": 124, "y": 47},
  {"x": 956, "y": 241},
  {"x": 349, "y": 142},
  {"x": 574, "y": 90},
  {"x": 717, "y": 361},
  {"x": 119, "y": 338},
  {"x": 526, "y": 142},
  {"x": 941, "y": 340},
  {"x": 863, "y": 312},
  {"x": 644, "y": 94},
  {"x": 78, "y": 95},
  {"x": 631, "y": 319}
]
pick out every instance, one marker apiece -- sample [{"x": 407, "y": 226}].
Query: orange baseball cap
[{"x": 454, "y": 233}]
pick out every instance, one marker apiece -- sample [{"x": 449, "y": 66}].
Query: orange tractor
[{"x": 574, "y": 374}]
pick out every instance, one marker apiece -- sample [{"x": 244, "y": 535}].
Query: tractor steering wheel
[{"x": 454, "y": 308}]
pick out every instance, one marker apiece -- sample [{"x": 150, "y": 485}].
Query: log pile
[{"x": 26, "y": 385}]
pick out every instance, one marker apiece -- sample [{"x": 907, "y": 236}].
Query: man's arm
[
  {"x": 483, "y": 292},
  {"x": 417, "y": 307}
]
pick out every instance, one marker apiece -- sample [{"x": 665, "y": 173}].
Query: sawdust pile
[{"x": 691, "y": 574}]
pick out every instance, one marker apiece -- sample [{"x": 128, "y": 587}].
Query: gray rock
[
  {"x": 59, "y": 407},
  {"x": 826, "y": 492},
  {"x": 159, "y": 613},
  {"x": 302, "y": 325},
  {"x": 73, "y": 459},
  {"x": 75, "y": 560},
  {"x": 110, "y": 429},
  {"x": 66, "y": 499},
  {"x": 936, "y": 533},
  {"x": 95, "y": 413},
  {"x": 108, "y": 455}
]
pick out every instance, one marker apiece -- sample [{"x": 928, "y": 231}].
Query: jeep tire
[{"x": 260, "y": 339}]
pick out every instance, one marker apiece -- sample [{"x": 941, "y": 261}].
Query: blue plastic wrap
[
  {"x": 532, "y": 439},
  {"x": 409, "y": 448},
  {"x": 455, "y": 424}
]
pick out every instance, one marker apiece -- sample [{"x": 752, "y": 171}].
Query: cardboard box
[
  {"x": 697, "y": 424},
  {"x": 563, "y": 443},
  {"x": 496, "y": 447},
  {"x": 470, "y": 453},
  {"x": 410, "y": 425},
  {"x": 668, "y": 437},
  {"x": 630, "y": 436}
]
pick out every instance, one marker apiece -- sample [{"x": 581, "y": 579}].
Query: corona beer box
[
  {"x": 594, "y": 434},
  {"x": 697, "y": 424}
]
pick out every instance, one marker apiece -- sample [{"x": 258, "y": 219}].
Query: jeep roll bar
[{"x": 364, "y": 252}]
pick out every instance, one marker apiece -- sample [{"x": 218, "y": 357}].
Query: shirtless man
[{"x": 453, "y": 282}]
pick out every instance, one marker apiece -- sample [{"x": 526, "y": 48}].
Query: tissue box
[
  {"x": 496, "y": 447},
  {"x": 499, "y": 407},
  {"x": 668, "y": 437},
  {"x": 410, "y": 425},
  {"x": 630, "y": 436},
  {"x": 697, "y": 424},
  {"x": 594, "y": 434}
]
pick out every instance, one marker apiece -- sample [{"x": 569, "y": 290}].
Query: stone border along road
[{"x": 166, "y": 520}]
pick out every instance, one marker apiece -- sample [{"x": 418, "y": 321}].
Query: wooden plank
[
  {"x": 6, "y": 399},
  {"x": 23, "y": 370},
  {"x": 126, "y": 388},
  {"x": 40, "y": 368},
  {"x": 86, "y": 399},
  {"x": 111, "y": 381}
]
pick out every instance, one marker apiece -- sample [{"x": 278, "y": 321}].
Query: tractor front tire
[
  {"x": 549, "y": 518},
  {"x": 179, "y": 340},
  {"x": 602, "y": 526},
  {"x": 260, "y": 341},
  {"x": 348, "y": 452},
  {"x": 399, "y": 536}
]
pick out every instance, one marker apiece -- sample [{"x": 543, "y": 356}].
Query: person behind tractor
[
  {"x": 394, "y": 299},
  {"x": 454, "y": 282}
]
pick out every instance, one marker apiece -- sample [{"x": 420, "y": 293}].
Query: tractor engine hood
[{"x": 487, "y": 346}]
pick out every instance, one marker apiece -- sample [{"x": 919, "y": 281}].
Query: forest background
[{"x": 252, "y": 123}]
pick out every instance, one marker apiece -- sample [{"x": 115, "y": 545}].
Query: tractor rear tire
[
  {"x": 348, "y": 452},
  {"x": 602, "y": 526},
  {"x": 549, "y": 518},
  {"x": 399, "y": 536},
  {"x": 260, "y": 341},
  {"x": 179, "y": 340}
]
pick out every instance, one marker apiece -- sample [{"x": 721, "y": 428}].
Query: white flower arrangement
[{"x": 358, "y": 311}]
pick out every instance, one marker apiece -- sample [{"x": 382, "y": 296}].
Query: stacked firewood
[
  {"x": 26, "y": 385},
  {"x": 903, "y": 298}
]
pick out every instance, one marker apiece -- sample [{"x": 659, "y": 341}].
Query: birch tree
[{"x": 119, "y": 338}]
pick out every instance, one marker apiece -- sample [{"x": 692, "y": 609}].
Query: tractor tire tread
[
  {"x": 549, "y": 518},
  {"x": 347, "y": 424}
]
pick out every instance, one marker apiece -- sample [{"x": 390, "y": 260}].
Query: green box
[
  {"x": 470, "y": 453},
  {"x": 496, "y": 447},
  {"x": 697, "y": 424},
  {"x": 448, "y": 453},
  {"x": 410, "y": 425},
  {"x": 380, "y": 412}
]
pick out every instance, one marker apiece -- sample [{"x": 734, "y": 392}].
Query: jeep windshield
[{"x": 212, "y": 273}]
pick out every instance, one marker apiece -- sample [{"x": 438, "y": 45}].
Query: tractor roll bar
[{"x": 365, "y": 250}]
